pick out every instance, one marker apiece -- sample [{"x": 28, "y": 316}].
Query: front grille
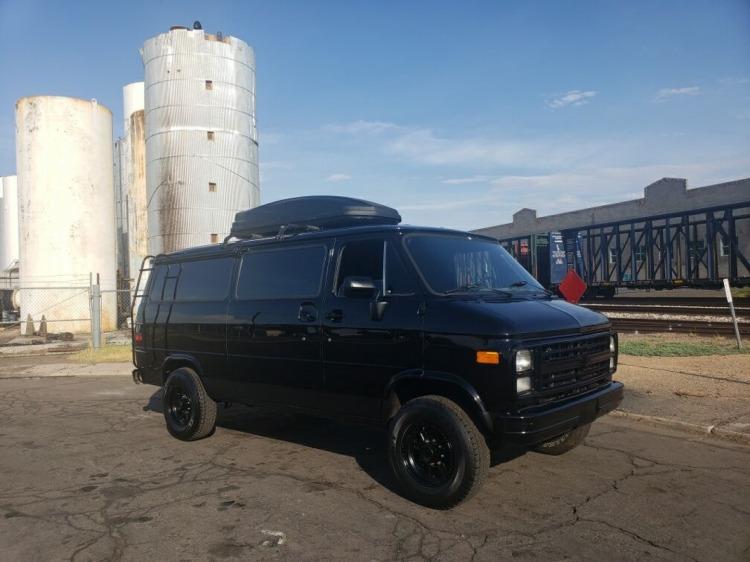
[{"x": 572, "y": 367}]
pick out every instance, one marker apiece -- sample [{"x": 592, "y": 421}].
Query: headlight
[
  {"x": 523, "y": 360},
  {"x": 612, "y": 344},
  {"x": 523, "y": 384}
]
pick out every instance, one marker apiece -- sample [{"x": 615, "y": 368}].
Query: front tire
[
  {"x": 437, "y": 455},
  {"x": 565, "y": 442},
  {"x": 189, "y": 412}
]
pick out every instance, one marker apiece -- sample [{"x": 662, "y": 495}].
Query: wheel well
[
  {"x": 410, "y": 389},
  {"x": 175, "y": 363}
]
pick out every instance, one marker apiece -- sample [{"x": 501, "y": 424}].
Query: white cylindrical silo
[
  {"x": 201, "y": 138},
  {"x": 8, "y": 224},
  {"x": 132, "y": 101},
  {"x": 134, "y": 178},
  {"x": 66, "y": 210}
]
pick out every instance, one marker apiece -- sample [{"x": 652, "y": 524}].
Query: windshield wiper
[
  {"x": 464, "y": 287},
  {"x": 477, "y": 286},
  {"x": 521, "y": 283}
]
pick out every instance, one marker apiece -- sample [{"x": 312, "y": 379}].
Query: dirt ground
[{"x": 706, "y": 391}]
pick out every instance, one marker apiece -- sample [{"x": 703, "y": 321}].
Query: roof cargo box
[{"x": 319, "y": 212}]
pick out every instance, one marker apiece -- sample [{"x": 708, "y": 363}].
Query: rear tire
[
  {"x": 189, "y": 412},
  {"x": 437, "y": 455},
  {"x": 565, "y": 442}
]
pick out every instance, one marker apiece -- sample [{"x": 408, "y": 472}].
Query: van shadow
[{"x": 365, "y": 444}]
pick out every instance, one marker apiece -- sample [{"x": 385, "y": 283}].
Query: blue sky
[{"x": 457, "y": 113}]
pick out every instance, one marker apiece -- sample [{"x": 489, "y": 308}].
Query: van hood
[{"x": 526, "y": 318}]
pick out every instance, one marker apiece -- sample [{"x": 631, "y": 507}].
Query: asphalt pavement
[{"x": 90, "y": 473}]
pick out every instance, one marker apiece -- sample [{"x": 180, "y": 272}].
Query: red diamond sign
[{"x": 572, "y": 287}]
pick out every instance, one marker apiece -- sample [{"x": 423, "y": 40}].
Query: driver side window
[
  {"x": 361, "y": 258},
  {"x": 364, "y": 258}
]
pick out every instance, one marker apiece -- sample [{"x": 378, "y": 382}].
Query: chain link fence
[
  {"x": 44, "y": 310},
  {"x": 123, "y": 301},
  {"x": 62, "y": 310}
]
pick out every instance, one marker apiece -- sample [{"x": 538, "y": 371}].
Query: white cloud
[
  {"x": 445, "y": 205},
  {"x": 666, "y": 93},
  {"x": 573, "y": 97},
  {"x": 463, "y": 181},
  {"x": 338, "y": 177},
  {"x": 423, "y": 146},
  {"x": 469, "y": 180},
  {"x": 373, "y": 127},
  {"x": 735, "y": 81},
  {"x": 580, "y": 188}
]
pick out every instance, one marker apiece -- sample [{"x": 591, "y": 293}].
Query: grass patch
[
  {"x": 646, "y": 348},
  {"x": 107, "y": 354},
  {"x": 744, "y": 292}
]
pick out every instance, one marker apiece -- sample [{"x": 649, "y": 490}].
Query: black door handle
[
  {"x": 335, "y": 315},
  {"x": 307, "y": 313}
]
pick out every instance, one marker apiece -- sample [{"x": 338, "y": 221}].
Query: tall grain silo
[
  {"x": 66, "y": 210},
  {"x": 201, "y": 138},
  {"x": 8, "y": 224},
  {"x": 134, "y": 176}
]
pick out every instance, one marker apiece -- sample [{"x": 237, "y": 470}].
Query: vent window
[
  {"x": 210, "y": 135},
  {"x": 209, "y": 84},
  {"x": 214, "y": 238},
  {"x": 212, "y": 187}
]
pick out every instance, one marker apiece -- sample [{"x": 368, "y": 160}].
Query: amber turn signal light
[{"x": 488, "y": 357}]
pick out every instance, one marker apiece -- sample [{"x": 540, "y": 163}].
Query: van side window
[
  {"x": 399, "y": 279},
  {"x": 170, "y": 282},
  {"x": 365, "y": 258},
  {"x": 156, "y": 282},
  {"x": 282, "y": 274},
  {"x": 203, "y": 280}
]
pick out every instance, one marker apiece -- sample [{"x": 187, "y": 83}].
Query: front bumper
[{"x": 535, "y": 426}]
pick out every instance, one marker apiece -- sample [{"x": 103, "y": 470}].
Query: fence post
[
  {"x": 728, "y": 293},
  {"x": 96, "y": 316}
]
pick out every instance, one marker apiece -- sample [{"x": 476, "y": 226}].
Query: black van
[{"x": 328, "y": 306}]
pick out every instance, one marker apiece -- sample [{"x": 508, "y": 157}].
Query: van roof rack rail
[{"x": 305, "y": 214}]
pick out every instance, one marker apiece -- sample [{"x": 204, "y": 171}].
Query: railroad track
[
  {"x": 698, "y": 327},
  {"x": 693, "y": 310},
  {"x": 668, "y": 301},
  {"x": 700, "y": 316}
]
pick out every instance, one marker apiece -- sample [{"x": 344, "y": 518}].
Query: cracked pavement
[{"x": 90, "y": 473}]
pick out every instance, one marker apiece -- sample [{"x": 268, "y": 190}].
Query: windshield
[{"x": 453, "y": 264}]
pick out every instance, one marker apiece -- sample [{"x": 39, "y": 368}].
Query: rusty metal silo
[
  {"x": 134, "y": 175},
  {"x": 201, "y": 138}
]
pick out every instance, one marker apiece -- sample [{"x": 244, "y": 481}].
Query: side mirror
[{"x": 358, "y": 287}]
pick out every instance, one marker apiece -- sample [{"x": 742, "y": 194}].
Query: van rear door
[{"x": 152, "y": 314}]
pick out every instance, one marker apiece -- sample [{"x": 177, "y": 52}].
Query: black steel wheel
[
  {"x": 437, "y": 454},
  {"x": 189, "y": 412},
  {"x": 179, "y": 406},
  {"x": 428, "y": 454}
]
